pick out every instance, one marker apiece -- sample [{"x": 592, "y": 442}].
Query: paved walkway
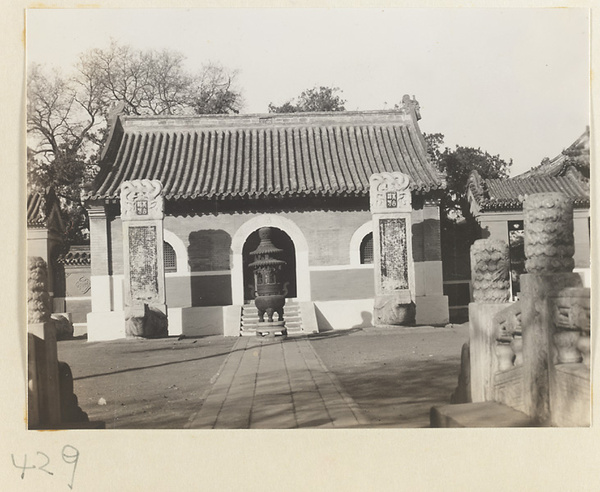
[{"x": 273, "y": 384}]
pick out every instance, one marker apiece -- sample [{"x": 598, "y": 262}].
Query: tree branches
[
  {"x": 311, "y": 100},
  {"x": 457, "y": 165},
  {"x": 67, "y": 115}
]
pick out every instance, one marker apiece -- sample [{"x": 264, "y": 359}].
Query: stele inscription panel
[
  {"x": 143, "y": 263},
  {"x": 394, "y": 254}
]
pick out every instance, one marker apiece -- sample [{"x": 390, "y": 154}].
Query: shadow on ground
[{"x": 396, "y": 377}]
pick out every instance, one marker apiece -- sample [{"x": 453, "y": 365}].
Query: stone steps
[
  {"x": 291, "y": 315},
  {"x": 484, "y": 414}
]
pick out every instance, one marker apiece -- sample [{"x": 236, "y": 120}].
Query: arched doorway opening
[{"x": 282, "y": 241}]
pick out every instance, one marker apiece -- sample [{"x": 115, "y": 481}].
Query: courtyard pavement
[
  {"x": 273, "y": 384},
  {"x": 356, "y": 378}
]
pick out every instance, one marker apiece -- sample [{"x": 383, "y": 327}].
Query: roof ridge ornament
[{"x": 411, "y": 105}]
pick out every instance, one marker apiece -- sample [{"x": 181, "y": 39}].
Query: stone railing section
[
  {"x": 507, "y": 364},
  {"x": 533, "y": 355},
  {"x": 570, "y": 395}
]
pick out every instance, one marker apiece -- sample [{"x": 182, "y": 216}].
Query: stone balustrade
[
  {"x": 491, "y": 293},
  {"x": 534, "y": 354},
  {"x": 51, "y": 402}
]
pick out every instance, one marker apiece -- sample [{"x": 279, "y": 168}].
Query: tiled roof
[
  {"x": 76, "y": 256},
  {"x": 36, "y": 210},
  {"x": 558, "y": 165},
  {"x": 508, "y": 194},
  {"x": 319, "y": 154}
]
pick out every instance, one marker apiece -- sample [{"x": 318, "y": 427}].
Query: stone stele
[
  {"x": 144, "y": 274},
  {"x": 391, "y": 207}
]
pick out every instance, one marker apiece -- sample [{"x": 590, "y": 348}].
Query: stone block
[
  {"x": 231, "y": 320},
  {"x": 108, "y": 325},
  {"x": 146, "y": 322},
  {"x": 432, "y": 310},
  {"x": 394, "y": 309},
  {"x": 482, "y": 341},
  {"x": 43, "y": 383},
  {"x": 63, "y": 326},
  {"x": 537, "y": 321},
  {"x": 342, "y": 315},
  {"x": 570, "y": 396},
  {"x": 309, "y": 317},
  {"x": 483, "y": 414},
  {"x": 508, "y": 388}
]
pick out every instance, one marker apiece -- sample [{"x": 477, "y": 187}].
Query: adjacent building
[{"x": 497, "y": 204}]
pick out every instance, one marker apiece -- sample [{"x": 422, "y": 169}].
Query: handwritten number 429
[{"x": 70, "y": 455}]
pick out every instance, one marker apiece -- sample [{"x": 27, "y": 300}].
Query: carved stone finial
[
  {"x": 390, "y": 192},
  {"x": 490, "y": 271},
  {"x": 141, "y": 199},
  {"x": 38, "y": 301},
  {"x": 549, "y": 243}
]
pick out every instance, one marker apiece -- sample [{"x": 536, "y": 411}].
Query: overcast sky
[{"x": 513, "y": 82}]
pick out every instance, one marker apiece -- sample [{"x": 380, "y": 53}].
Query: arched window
[
  {"x": 366, "y": 249},
  {"x": 170, "y": 257}
]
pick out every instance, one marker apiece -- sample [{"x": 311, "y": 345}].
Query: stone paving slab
[
  {"x": 484, "y": 414},
  {"x": 276, "y": 384}
]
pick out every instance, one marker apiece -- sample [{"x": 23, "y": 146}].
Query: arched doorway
[{"x": 282, "y": 241}]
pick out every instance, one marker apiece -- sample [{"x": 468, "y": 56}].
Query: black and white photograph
[{"x": 320, "y": 219}]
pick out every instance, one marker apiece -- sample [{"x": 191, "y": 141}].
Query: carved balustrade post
[
  {"x": 491, "y": 293},
  {"x": 42, "y": 358},
  {"x": 549, "y": 248}
]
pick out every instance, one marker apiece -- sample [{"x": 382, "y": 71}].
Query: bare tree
[{"x": 67, "y": 115}]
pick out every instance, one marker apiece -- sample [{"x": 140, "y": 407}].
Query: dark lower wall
[
  {"x": 332, "y": 285},
  {"x": 204, "y": 290}
]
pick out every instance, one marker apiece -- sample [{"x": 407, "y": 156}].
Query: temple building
[
  {"x": 304, "y": 175},
  {"x": 497, "y": 204}
]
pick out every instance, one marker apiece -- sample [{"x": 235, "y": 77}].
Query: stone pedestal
[
  {"x": 391, "y": 206},
  {"x": 482, "y": 339},
  {"x": 538, "y": 351},
  {"x": 489, "y": 273},
  {"x": 144, "y": 274}
]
